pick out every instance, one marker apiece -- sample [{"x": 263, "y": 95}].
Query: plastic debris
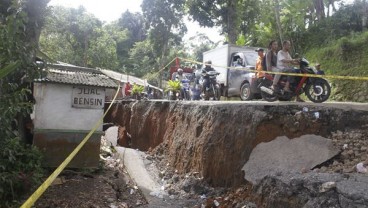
[
  {"x": 345, "y": 146},
  {"x": 316, "y": 115},
  {"x": 305, "y": 109},
  {"x": 216, "y": 203},
  {"x": 361, "y": 168}
]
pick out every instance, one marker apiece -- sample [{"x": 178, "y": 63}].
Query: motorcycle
[
  {"x": 213, "y": 91},
  {"x": 317, "y": 89}
]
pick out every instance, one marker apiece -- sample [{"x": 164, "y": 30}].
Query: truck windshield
[{"x": 251, "y": 58}]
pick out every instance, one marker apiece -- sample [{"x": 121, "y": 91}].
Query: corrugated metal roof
[
  {"x": 127, "y": 78},
  {"x": 77, "y": 78}
]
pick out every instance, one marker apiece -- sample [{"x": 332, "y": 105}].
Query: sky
[{"x": 110, "y": 10}]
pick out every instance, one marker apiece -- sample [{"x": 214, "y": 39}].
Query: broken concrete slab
[
  {"x": 288, "y": 155},
  {"x": 111, "y": 135},
  {"x": 306, "y": 190}
]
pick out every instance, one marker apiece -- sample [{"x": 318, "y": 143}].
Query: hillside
[{"x": 348, "y": 57}]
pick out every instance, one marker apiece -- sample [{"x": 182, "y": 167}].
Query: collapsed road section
[{"x": 216, "y": 139}]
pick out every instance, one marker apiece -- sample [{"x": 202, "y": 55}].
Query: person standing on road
[
  {"x": 259, "y": 65},
  {"x": 127, "y": 89}
]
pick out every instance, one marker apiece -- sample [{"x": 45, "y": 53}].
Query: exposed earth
[
  {"x": 108, "y": 186},
  {"x": 192, "y": 155}
]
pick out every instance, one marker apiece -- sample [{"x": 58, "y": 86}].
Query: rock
[
  {"x": 172, "y": 192},
  {"x": 327, "y": 186},
  {"x": 247, "y": 205},
  {"x": 175, "y": 178},
  {"x": 348, "y": 170},
  {"x": 363, "y": 149},
  {"x": 335, "y": 163},
  {"x": 110, "y": 200}
]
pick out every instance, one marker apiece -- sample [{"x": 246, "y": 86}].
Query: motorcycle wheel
[
  {"x": 266, "y": 96},
  {"x": 216, "y": 92},
  {"x": 186, "y": 95},
  {"x": 246, "y": 92},
  {"x": 319, "y": 91}
]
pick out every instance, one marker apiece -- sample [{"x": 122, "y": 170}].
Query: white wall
[{"x": 53, "y": 109}]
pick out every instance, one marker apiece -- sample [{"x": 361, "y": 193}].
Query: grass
[{"x": 347, "y": 57}]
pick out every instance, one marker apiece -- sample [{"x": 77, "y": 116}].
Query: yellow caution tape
[
  {"x": 166, "y": 65},
  {"x": 34, "y": 197},
  {"x": 289, "y": 74}
]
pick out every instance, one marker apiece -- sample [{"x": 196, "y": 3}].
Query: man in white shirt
[{"x": 284, "y": 64}]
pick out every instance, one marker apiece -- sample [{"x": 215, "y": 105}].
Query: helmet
[{"x": 180, "y": 71}]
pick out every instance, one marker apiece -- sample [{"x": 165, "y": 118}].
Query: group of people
[{"x": 277, "y": 61}]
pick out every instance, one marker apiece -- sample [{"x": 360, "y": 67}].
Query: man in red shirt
[{"x": 127, "y": 89}]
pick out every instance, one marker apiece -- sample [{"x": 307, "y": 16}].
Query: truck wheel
[{"x": 246, "y": 92}]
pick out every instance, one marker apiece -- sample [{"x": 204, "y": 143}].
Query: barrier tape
[
  {"x": 289, "y": 74},
  {"x": 36, "y": 195}
]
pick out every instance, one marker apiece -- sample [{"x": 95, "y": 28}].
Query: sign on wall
[{"x": 88, "y": 97}]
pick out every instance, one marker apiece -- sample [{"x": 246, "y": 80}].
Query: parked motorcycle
[
  {"x": 213, "y": 91},
  {"x": 316, "y": 89}
]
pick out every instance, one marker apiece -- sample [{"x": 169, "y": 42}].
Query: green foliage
[
  {"x": 137, "y": 89},
  {"x": 345, "y": 57},
  {"x": 20, "y": 169},
  {"x": 20, "y": 165},
  {"x": 173, "y": 86},
  {"x": 77, "y": 37},
  {"x": 199, "y": 44},
  {"x": 163, "y": 18}
]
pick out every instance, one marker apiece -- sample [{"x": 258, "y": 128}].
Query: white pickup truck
[{"x": 235, "y": 82}]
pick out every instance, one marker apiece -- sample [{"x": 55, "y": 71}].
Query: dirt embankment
[{"x": 216, "y": 139}]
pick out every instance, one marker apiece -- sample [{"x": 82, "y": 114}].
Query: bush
[{"x": 20, "y": 168}]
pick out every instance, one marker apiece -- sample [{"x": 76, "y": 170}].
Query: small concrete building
[{"x": 69, "y": 101}]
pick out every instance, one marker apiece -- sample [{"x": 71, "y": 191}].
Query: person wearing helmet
[
  {"x": 206, "y": 69},
  {"x": 179, "y": 76}
]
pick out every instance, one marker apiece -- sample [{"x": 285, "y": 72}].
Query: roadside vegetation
[{"x": 20, "y": 163}]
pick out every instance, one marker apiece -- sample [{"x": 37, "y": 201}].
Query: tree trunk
[
  {"x": 320, "y": 9},
  {"x": 232, "y": 21},
  {"x": 364, "y": 15},
  {"x": 278, "y": 22},
  {"x": 85, "y": 59}
]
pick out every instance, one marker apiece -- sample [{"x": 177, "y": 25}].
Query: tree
[
  {"x": 163, "y": 18},
  {"x": 199, "y": 44},
  {"x": 134, "y": 26},
  {"x": 20, "y": 165},
  {"x": 77, "y": 37},
  {"x": 223, "y": 13}
]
